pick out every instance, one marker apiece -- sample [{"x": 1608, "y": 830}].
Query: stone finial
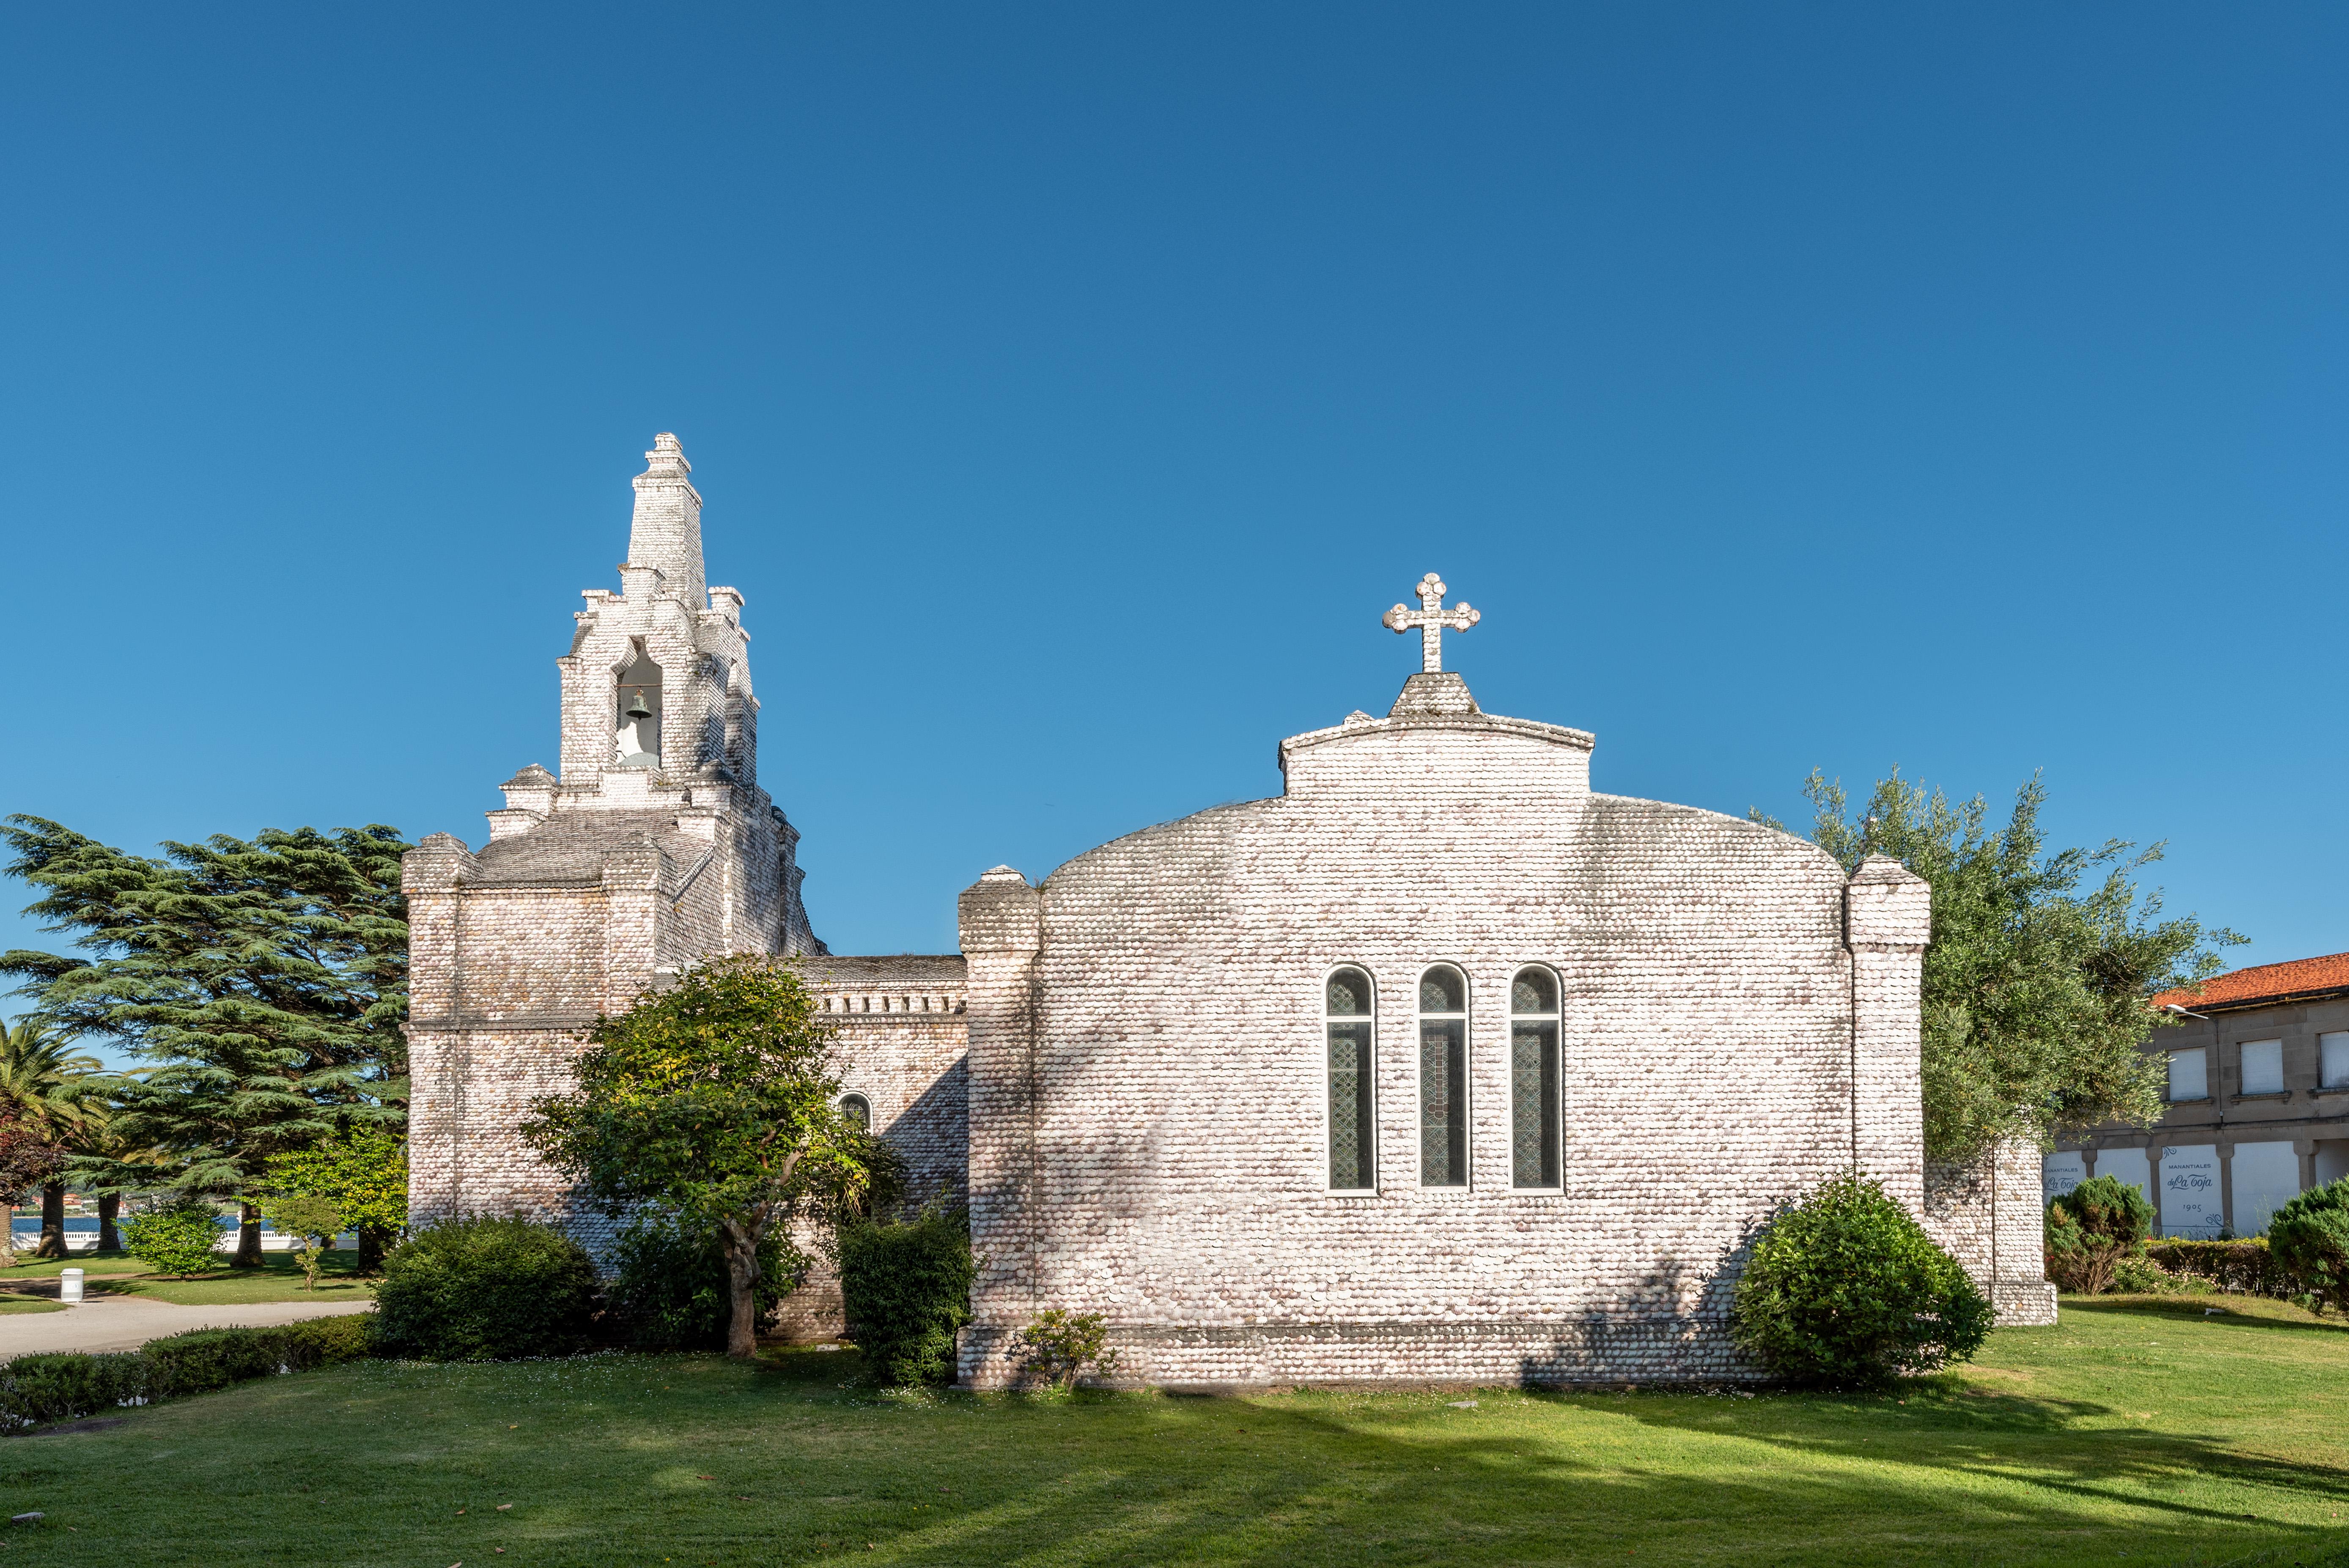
[
  {"x": 1887, "y": 905},
  {"x": 665, "y": 533},
  {"x": 1432, "y": 620},
  {"x": 1000, "y": 913}
]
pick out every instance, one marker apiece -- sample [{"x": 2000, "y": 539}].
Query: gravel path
[{"x": 125, "y": 1323}]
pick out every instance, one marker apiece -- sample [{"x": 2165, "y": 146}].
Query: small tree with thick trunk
[
  {"x": 363, "y": 1172},
  {"x": 714, "y": 1100}
]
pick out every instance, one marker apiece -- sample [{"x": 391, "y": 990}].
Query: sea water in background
[{"x": 81, "y": 1235}]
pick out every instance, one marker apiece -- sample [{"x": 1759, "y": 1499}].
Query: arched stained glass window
[
  {"x": 1533, "y": 1079},
  {"x": 1442, "y": 1077},
  {"x": 1347, "y": 1005},
  {"x": 858, "y": 1110}
]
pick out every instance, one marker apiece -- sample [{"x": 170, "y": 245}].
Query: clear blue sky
[{"x": 1957, "y": 387}]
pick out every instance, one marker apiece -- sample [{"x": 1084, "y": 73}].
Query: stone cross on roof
[{"x": 1431, "y": 619}]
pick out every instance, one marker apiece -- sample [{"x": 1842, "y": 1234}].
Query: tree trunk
[
  {"x": 52, "y": 1221},
  {"x": 742, "y": 1275},
  {"x": 248, "y": 1238},
  {"x": 109, "y": 1209}
]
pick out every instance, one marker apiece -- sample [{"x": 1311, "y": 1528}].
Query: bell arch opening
[{"x": 636, "y": 722}]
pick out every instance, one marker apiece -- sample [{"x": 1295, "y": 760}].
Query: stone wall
[
  {"x": 1147, "y": 1068},
  {"x": 1987, "y": 1215},
  {"x": 899, "y": 1035}
]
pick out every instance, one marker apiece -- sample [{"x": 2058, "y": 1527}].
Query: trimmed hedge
[
  {"x": 485, "y": 1290},
  {"x": 2244, "y": 1266},
  {"x": 906, "y": 1288},
  {"x": 35, "y": 1390}
]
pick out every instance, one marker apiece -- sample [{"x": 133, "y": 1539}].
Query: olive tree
[{"x": 2043, "y": 964}]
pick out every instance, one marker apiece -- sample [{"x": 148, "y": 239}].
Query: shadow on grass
[
  {"x": 2050, "y": 1446},
  {"x": 2193, "y": 1309},
  {"x": 1950, "y": 1475},
  {"x": 799, "y": 1459}
]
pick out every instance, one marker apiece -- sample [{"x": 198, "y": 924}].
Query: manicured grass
[
  {"x": 279, "y": 1279},
  {"x": 16, "y": 1306},
  {"x": 2138, "y": 1431}
]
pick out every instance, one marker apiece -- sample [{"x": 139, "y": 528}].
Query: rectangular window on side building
[
  {"x": 2333, "y": 1061},
  {"x": 2262, "y": 1066},
  {"x": 2189, "y": 1077}
]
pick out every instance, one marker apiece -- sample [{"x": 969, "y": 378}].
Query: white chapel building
[{"x": 1438, "y": 1067}]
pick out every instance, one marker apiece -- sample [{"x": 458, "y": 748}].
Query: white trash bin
[{"x": 69, "y": 1285}]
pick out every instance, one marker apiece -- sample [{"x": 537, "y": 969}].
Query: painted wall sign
[{"x": 2189, "y": 1192}]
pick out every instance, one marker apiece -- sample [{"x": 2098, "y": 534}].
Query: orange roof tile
[{"x": 2263, "y": 983}]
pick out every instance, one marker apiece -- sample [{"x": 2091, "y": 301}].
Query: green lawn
[
  {"x": 2138, "y": 1432},
  {"x": 279, "y": 1279}
]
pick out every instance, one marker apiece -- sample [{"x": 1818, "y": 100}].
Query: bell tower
[{"x": 652, "y": 848}]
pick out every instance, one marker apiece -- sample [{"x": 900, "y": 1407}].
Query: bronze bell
[{"x": 636, "y": 708}]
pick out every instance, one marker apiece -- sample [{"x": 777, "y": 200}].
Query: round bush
[
  {"x": 2309, "y": 1239},
  {"x": 483, "y": 1290},
  {"x": 1845, "y": 1290},
  {"x": 673, "y": 1292},
  {"x": 176, "y": 1237},
  {"x": 2091, "y": 1228},
  {"x": 906, "y": 1288}
]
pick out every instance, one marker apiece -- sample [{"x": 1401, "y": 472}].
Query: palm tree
[{"x": 52, "y": 1092}]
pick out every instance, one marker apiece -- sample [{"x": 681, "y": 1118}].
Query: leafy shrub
[
  {"x": 313, "y": 1221},
  {"x": 2246, "y": 1266},
  {"x": 672, "y": 1290},
  {"x": 1846, "y": 1290},
  {"x": 483, "y": 1290},
  {"x": 2310, "y": 1240},
  {"x": 1061, "y": 1345},
  {"x": 906, "y": 1286},
  {"x": 2090, "y": 1229},
  {"x": 2140, "y": 1275},
  {"x": 176, "y": 1237},
  {"x": 37, "y": 1389}
]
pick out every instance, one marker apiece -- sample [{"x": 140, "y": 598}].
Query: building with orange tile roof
[{"x": 2258, "y": 1075}]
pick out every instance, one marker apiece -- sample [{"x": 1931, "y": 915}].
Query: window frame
[
  {"x": 1327, "y": 1018},
  {"x": 1555, "y": 1019},
  {"x": 1467, "y": 1018},
  {"x": 2170, "y": 1081},
  {"x": 2338, "y": 1080},
  {"x": 2242, "y": 1069},
  {"x": 842, "y": 1099}
]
